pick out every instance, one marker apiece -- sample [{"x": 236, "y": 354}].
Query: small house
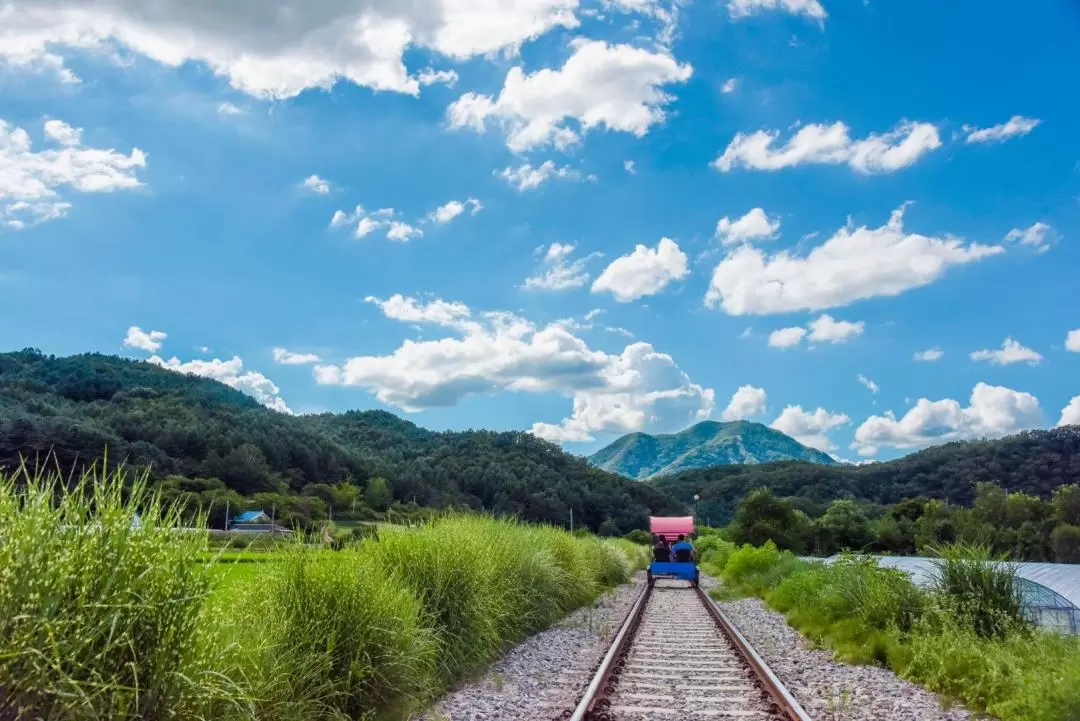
[{"x": 256, "y": 522}]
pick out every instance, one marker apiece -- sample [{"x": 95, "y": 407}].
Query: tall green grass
[
  {"x": 98, "y": 618},
  {"x": 964, "y": 636},
  {"x": 101, "y": 619}
]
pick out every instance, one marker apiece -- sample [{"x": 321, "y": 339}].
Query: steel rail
[
  {"x": 592, "y": 700},
  {"x": 775, "y": 688}
]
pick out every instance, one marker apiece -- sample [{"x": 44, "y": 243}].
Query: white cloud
[
  {"x": 452, "y": 209},
  {"x": 231, "y": 373},
  {"x": 1017, "y": 125},
  {"x": 831, "y": 145},
  {"x": 402, "y": 232},
  {"x": 1070, "y": 414},
  {"x": 617, "y": 87},
  {"x": 870, "y": 385},
  {"x": 30, "y": 181},
  {"x": 1040, "y": 236},
  {"x": 755, "y": 225},
  {"x": 526, "y": 177},
  {"x": 143, "y": 340},
  {"x": 1011, "y": 352},
  {"x": 743, "y": 8},
  {"x": 787, "y": 337},
  {"x": 289, "y": 358},
  {"x": 853, "y": 264},
  {"x": 428, "y": 76},
  {"x": 594, "y": 314},
  {"x": 810, "y": 429},
  {"x": 63, "y": 133},
  {"x": 628, "y": 165},
  {"x": 317, "y": 185},
  {"x": 745, "y": 402},
  {"x": 228, "y": 108},
  {"x": 327, "y": 375},
  {"x": 558, "y": 272},
  {"x": 729, "y": 86},
  {"x": 827, "y": 329},
  {"x": 275, "y": 48},
  {"x": 646, "y": 271},
  {"x": 929, "y": 355},
  {"x": 498, "y": 351},
  {"x": 993, "y": 411},
  {"x": 1072, "y": 341}
]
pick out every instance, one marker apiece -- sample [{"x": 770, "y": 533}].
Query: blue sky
[{"x": 511, "y": 215}]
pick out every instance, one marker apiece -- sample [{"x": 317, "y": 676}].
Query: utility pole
[
  {"x": 571, "y": 520},
  {"x": 226, "y": 516}
]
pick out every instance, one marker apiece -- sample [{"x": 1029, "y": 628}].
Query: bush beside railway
[
  {"x": 103, "y": 618},
  {"x": 964, "y": 636}
]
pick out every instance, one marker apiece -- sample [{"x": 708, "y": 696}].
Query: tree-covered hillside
[
  {"x": 1035, "y": 462},
  {"x": 203, "y": 438}
]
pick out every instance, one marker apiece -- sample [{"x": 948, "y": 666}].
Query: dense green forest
[
  {"x": 1017, "y": 525},
  {"x": 1034, "y": 462},
  {"x": 212, "y": 444}
]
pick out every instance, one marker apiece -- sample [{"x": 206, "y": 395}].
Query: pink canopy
[{"x": 671, "y": 526}]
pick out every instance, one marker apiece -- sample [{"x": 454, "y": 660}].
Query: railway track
[{"x": 678, "y": 657}]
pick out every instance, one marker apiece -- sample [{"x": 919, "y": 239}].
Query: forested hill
[
  {"x": 709, "y": 443},
  {"x": 201, "y": 436},
  {"x": 1035, "y": 462}
]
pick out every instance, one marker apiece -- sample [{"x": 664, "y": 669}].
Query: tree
[
  {"x": 844, "y": 527},
  {"x": 1065, "y": 541},
  {"x": 762, "y": 517},
  {"x": 1067, "y": 504},
  {"x": 377, "y": 494}
]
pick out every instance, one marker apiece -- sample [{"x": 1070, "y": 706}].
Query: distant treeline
[
  {"x": 1033, "y": 462},
  {"x": 217, "y": 446},
  {"x": 1020, "y": 526}
]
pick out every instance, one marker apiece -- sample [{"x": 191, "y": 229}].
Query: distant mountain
[
  {"x": 709, "y": 443},
  {"x": 207, "y": 439}
]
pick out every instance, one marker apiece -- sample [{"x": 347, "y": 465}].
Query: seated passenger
[
  {"x": 684, "y": 550},
  {"x": 661, "y": 552}
]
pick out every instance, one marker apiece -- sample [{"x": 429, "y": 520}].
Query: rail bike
[{"x": 679, "y": 565}]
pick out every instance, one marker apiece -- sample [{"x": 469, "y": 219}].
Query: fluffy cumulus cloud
[
  {"x": 755, "y": 225},
  {"x": 853, "y": 264},
  {"x": 742, "y": 8},
  {"x": 31, "y": 181},
  {"x": 526, "y": 177},
  {"x": 1016, "y": 126},
  {"x": 831, "y": 145},
  {"x": 367, "y": 223},
  {"x": 1011, "y": 351},
  {"x": 1072, "y": 341},
  {"x": 618, "y": 87},
  {"x": 497, "y": 351},
  {"x": 290, "y": 358},
  {"x": 231, "y": 373},
  {"x": 452, "y": 209},
  {"x": 1039, "y": 236},
  {"x": 992, "y": 412},
  {"x": 787, "y": 337},
  {"x": 827, "y": 329},
  {"x": 149, "y": 341},
  {"x": 558, "y": 271},
  {"x": 317, "y": 185},
  {"x": 1070, "y": 414},
  {"x": 810, "y": 428},
  {"x": 276, "y": 48},
  {"x": 746, "y": 402},
  {"x": 729, "y": 85},
  {"x": 929, "y": 355},
  {"x": 646, "y": 271}
]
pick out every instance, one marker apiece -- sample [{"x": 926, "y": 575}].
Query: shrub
[
  {"x": 99, "y": 616},
  {"x": 980, "y": 589},
  {"x": 640, "y": 536}
]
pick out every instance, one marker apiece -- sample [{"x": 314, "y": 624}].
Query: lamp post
[{"x": 696, "y": 499}]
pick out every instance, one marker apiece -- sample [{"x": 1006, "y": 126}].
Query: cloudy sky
[{"x": 855, "y": 221}]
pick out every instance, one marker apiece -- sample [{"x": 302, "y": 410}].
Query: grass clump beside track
[
  {"x": 964, "y": 636},
  {"x": 103, "y": 619}
]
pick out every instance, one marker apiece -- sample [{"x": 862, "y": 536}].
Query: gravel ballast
[
  {"x": 546, "y": 674},
  {"x": 826, "y": 688}
]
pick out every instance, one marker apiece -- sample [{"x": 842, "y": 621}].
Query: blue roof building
[{"x": 252, "y": 517}]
